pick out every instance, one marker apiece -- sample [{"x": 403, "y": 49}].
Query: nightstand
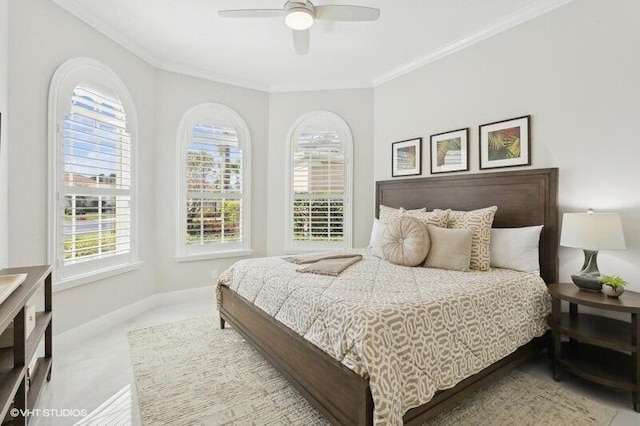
[{"x": 599, "y": 349}]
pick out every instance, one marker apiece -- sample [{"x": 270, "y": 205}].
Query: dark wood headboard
[{"x": 524, "y": 198}]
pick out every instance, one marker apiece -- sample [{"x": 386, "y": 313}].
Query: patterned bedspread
[{"x": 411, "y": 331}]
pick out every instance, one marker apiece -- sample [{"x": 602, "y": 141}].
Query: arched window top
[
  {"x": 215, "y": 165},
  {"x": 96, "y": 77},
  {"x": 320, "y": 128},
  {"x": 220, "y": 116},
  {"x": 319, "y": 182}
]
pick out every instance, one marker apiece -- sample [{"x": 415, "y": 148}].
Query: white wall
[
  {"x": 4, "y": 133},
  {"x": 575, "y": 70},
  {"x": 175, "y": 94},
  {"x": 579, "y": 82},
  {"x": 41, "y": 37},
  {"x": 356, "y": 108}
]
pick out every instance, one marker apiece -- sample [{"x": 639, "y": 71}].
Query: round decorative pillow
[{"x": 406, "y": 242}]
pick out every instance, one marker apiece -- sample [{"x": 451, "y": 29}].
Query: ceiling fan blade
[
  {"x": 251, "y": 13},
  {"x": 301, "y": 41},
  {"x": 347, "y": 13}
]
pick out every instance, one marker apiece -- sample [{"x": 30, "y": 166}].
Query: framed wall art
[
  {"x": 505, "y": 143},
  {"x": 450, "y": 151},
  {"x": 406, "y": 157}
]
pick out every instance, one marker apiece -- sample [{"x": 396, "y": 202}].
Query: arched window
[
  {"x": 92, "y": 136},
  {"x": 215, "y": 166},
  {"x": 319, "y": 180}
]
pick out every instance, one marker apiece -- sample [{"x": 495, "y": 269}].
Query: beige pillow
[
  {"x": 450, "y": 248},
  {"x": 405, "y": 242},
  {"x": 480, "y": 221},
  {"x": 389, "y": 214},
  {"x": 438, "y": 218}
]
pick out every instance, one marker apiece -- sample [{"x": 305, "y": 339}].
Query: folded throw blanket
[{"x": 325, "y": 264}]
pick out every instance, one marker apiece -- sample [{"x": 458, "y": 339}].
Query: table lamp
[{"x": 591, "y": 232}]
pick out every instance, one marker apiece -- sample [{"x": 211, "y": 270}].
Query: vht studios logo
[{"x": 48, "y": 412}]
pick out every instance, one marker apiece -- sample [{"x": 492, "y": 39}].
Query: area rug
[{"x": 191, "y": 372}]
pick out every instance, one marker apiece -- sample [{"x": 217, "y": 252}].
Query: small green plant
[{"x": 613, "y": 281}]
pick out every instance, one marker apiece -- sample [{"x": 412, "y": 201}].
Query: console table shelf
[
  {"x": 10, "y": 380},
  {"x": 14, "y": 360},
  {"x": 37, "y": 381},
  {"x": 600, "y": 349}
]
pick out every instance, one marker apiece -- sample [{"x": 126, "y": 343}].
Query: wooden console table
[
  {"x": 600, "y": 349},
  {"x": 14, "y": 360}
]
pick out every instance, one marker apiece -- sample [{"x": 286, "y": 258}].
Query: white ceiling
[{"x": 188, "y": 36}]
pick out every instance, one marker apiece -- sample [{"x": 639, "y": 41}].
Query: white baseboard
[
  {"x": 95, "y": 327},
  {"x": 185, "y": 296}
]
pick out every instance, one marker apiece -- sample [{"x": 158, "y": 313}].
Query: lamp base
[
  {"x": 587, "y": 282},
  {"x": 589, "y": 277}
]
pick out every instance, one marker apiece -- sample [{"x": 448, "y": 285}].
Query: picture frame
[
  {"x": 505, "y": 143},
  {"x": 449, "y": 151},
  {"x": 406, "y": 157}
]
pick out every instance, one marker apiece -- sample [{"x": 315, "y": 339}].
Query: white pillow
[
  {"x": 375, "y": 242},
  {"x": 516, "y": 248}
]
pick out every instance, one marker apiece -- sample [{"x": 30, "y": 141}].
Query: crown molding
[
  {"x": 321, "y": 86},
  {"x": 539, "y": 8},
  {"x": 497, "y": 27},
  {"x": 211, "y": 76},
  {"x": 88, "y": 17}
]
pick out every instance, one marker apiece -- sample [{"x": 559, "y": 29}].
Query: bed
[{"x": 524, "y": 198}]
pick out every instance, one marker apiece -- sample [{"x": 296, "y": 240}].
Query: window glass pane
[
  {"x": 318, "y": 186},
  {"x": 318, "y": 220},
  {"x": 214, "y": 185},
  {"x": 97, "y": 146},
  {"x": 97, "y": 176},
  {"x": 96, "y": 226},
  {"x": 213, "y": 221}
]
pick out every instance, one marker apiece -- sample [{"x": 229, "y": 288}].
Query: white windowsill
[
  {"x": 214, "y": 255},
  {"x": 95, "y": 276}
]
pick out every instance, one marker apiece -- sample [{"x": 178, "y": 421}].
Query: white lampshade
[
  {"x": 299, "y": 18},
  {"x": 592, "y": 231}
]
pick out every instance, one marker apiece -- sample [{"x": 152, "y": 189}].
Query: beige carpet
[{"x": 191, "y": 372}]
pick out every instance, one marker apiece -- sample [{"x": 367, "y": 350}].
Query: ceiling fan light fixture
[{"x": 299, "y": 18}]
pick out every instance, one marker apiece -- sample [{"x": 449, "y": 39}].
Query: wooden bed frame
[{"x": 524, "y": 198}]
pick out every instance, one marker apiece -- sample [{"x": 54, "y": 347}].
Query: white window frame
[
  {"x": 216, "y": 115},
  {"x": 66, "y": 78},
  {"x": 333, "y": 121}
]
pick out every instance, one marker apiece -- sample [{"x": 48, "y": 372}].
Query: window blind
[
  {"x": 214, "y": 185},
  {"x": 96, "y": 194},
  {"x": 318, "y": 187}
]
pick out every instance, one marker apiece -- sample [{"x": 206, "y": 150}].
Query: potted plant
[{"x": 612, "y": 285}]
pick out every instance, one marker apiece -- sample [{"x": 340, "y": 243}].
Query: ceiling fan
[{"x": 299, "y": 15}]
